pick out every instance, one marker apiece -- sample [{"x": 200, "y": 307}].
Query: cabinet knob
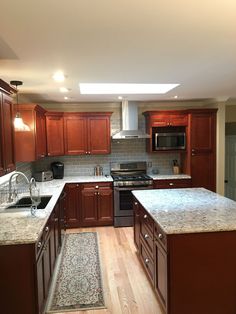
[
  {"x": 77, "y": 185},
  {"x": 98, "y": 193},
  {"x": 136, "y": 203},
  {"x": 49, "y": 154},
  {"x": 146, "y": 260},
  {"x": 160, "y": 236},
  {"x": 86, "y": 153},
  {"x": 171, "y": 183},
  {"x": 42, "y": 155},
  {"x": 145, "y": 216},
  {"x": 89, "y": 153},
  {"x": 97, "y": 187},
  {"x": 146, "y": 236},
  {"x": 39, "y": 244},
  {"x": 193, "y": 150},
  {"x": 46, "y": 229},
  {"x": 193, "y": 154}
]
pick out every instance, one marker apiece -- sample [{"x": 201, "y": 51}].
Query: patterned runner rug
[{"x": 78, "y": 283}]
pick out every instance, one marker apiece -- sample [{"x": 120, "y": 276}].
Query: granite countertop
[
  {"x": 169, "y": 176},
  {"x": 190, "y": 210},
  {"x": 22, "y": 228}
]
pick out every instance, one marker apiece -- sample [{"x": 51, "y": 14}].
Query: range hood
[{"x": 130, "y": 122}]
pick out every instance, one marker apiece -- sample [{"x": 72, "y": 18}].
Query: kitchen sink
[{"x": 25, "y": 203}]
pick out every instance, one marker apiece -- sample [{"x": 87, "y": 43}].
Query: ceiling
[{"x": 189, "y": 42}]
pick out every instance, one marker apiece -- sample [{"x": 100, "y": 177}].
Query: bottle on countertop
[{"x": 98, "y": 170}]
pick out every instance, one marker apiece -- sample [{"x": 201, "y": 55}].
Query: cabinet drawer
[
  {"x": 147, "y": 237},
  {"x": 96, "y": 185},
  {"x": 160, "y": 236},
  {"x": 145, "y": 218},
  {"x": 172, "y": 184},
  {"x": 147, "y": 262}
]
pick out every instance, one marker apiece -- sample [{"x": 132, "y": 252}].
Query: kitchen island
[{"x": 186, "y": 240}]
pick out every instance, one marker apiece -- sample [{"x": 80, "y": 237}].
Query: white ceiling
[{"x": 190, "y": 42}]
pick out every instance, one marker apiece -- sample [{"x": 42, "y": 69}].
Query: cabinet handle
[
  {"x": 46, "y": 229},
  {"x": 136, "y": 203},
  {"x": 146, "y": 236},
  {"x": 145, "y": 216},
  {"x": 39, "y": 245},
  {"x": 160, "y": 236},
  {"x": 146, "y": 260},
  {"x": 171, "y": 184}
]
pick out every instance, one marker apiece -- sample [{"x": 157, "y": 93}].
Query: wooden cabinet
[
  {"x": 26, "y": 271},
  {"x": 72, "y": 204},
  {"x": 136, "y": 223},
  {"x": 7, "y": 157},
  {"x": 202, "y": 149},
  {"x": 31, "y": 145},
  {"x": 96, "y": 204},
  {"x": 55, "y": 133},
  {"x": 172, "y": 184},
  {"x": 87, "y": 133},
  {"x": 166, "y": 118}
]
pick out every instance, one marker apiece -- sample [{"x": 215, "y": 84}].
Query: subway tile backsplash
[{"x": 121, "y": 150}]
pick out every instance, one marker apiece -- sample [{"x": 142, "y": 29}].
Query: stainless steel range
[{"x": 127, "y": 176}]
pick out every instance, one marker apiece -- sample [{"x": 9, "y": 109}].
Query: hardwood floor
[{"x": 126, "y": 288}]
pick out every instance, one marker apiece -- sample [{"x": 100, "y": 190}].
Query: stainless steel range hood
[{"x": 130, "y": 122}]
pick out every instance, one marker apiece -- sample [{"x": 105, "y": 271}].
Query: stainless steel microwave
[{"x": 170, "y": 141}]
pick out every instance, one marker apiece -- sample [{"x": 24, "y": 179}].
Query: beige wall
[{"x": 230, "y": 113}]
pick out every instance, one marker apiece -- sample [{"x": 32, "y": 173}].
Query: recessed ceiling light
[
  {"x": 120, "y": 97},
  {"x": 175, "y": 96},
  {"x": 64, "y": 89},
  {"x": 66, "y": 98},
  {"x": 58, "y": 76},
  {"x": 104, "y": 88}
]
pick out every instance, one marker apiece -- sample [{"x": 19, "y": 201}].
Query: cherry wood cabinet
[
  {"x": 55, "y": 131},
  {"x": 7, "y": 156},
  {"x": 136, "y": 224},
  {"x": 166, "y": 118},
  {"x": 172, "y": 184},
  {"x": 26, "y": 270},
  {"x": 96, "y": 204},
  {"x": 87, "y": 133},
  {"x": 31, "y": 145},
  {"x": 72, "y": 209},
  {"x": 202, "y": 149},
  {"x": 190, "y": 273}
]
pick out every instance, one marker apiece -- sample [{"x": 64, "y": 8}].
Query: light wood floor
[{"x": 126, "y": 288}]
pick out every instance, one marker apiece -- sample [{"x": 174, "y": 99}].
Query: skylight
[{"x": 103, "y": 88}]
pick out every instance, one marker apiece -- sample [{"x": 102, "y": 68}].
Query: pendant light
[{"x": 18, "y": 121}]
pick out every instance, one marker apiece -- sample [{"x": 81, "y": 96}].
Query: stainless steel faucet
[{"x": 17, "y": 173}]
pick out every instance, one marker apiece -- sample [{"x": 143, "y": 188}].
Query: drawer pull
[
  {"x": 160, "y": 236},
  {"x": 39, "y": 245},
  {"x": 146, "y": 260},
  {"x": 171, "y": 183},
  {"x": 146, "y": 236},
  {"x": 145, "y": 216},
  {"x": 46, "y": 229}
]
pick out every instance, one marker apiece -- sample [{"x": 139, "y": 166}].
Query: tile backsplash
[{"x": 121, "y": 150}]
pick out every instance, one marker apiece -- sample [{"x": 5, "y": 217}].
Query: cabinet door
[
  {"x": 2, "y": 166},
  {"x": 72, "y": 205},
  {"x": 136, "y": 224},
  {"x": 55, "y": 138},
  {"x": 8, "y": 134},
  {"x": 105, "y": 205},
  {"x": 75, "y": 135},
  {"x": 161, "y": 273},
  {"x": 99, "y": 139},
  {"x": 178, "y": 120},
  {"x": 41, "y": 149},
  {"x": 89, "y": 206},
  {"x": 40, "y": 284},
  {"x": 160, "y": 120},
  {"x": 47, "y": 266}
]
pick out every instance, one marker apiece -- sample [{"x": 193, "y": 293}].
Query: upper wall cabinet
[
  {"x": 87, "y": 133},
  {"x": 7, "y": 158},
  {"x": 166, "y": 118},
  {"x": 31, "y": 145},
  {"x": 54, "y": 130}
]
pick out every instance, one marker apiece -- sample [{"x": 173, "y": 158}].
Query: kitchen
[{"x": 40, "y": 90}]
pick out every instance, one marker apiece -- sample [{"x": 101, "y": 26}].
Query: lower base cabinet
[
  {"x": 89, "y": 204},
  {"x": 26, "y": 270},
  {"x": 190, "y": 273}
]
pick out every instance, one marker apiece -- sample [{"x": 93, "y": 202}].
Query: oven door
[{"x": 123, "y": 200}]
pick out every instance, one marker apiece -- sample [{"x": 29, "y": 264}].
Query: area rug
[{"x": 78, "y": 283}]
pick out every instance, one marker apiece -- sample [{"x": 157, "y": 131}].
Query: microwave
[{"x": 170, "y": 141}]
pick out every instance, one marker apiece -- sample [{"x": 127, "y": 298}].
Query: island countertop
[{"x": 190, "y": 210}]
